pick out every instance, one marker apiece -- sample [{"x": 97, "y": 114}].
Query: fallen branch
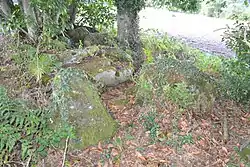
[
  {"x": 225, "y": 127},
  {"x": 219, "y": 29},
  {"x": 28, "y": 162},
  {"x": 65, "y": 151}
]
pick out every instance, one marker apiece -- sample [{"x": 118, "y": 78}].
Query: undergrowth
[
  {"x": 171, "y": 65},
  {"x": 191, "y": 80},
  {"x": 25, "y": 132}
]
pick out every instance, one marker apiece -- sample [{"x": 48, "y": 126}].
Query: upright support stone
[{"x": 81, "y": 107}]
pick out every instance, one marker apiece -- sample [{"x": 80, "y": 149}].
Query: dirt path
[{"x": 198, "y": 31}]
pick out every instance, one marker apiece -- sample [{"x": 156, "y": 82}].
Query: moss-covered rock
[
  {"x": 78, "y": 34},
  {"x": 98, "y": 39},
  {"x": 89, "y": 38},
  {"x": 79, "y": 105},
  {"x": 109, "y": 66}
]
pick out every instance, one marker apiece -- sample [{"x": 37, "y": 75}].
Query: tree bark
[
  {"x": 5, "y": 8},
  {"x": 128, "y": 34},
  {"x": 30, "y": 19},
  {"x": 72, "y": 10}
]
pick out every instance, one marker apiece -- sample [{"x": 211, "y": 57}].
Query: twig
[
  {"x": 65, "y": 151},
  {"x": 44, "y": 165},
  {"x": 225, "y": 126},
  {"x": 28, "y": 162},
  {"x": 219, "y": 29},
  {"x": 15, "y": 162}
]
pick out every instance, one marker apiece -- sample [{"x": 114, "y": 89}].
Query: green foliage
[
  {"x": 25, "y": 129},
  {"x": 42, "y": 65},
  {"x": 184, "y": 5},
  {"x": 37, "y": 65},
  {"x": 187, "y": 74},
  {"x": 149, "y": 123},
  {"x": 231, "y": 9},
  {"x": 15, "y": 22},
  {"x": 55, "y": 15},
  {"x": 179, "y": 141},
  {"x": 244, "y": 157},
  {"x": 236, "y": 72},
  {"x": 180, "y": 80},
  {"x": 179, "y": 74},
  {"x": 237, "y": 38},
  {"x": 179, "y": 94},
  {"x": 235, "y": 80},
  {"x": 159, "y": 44},
  {"x": 57, "y": 44},
  {"x": 208, "y": 63},
  {"x": 61, "y": 86},
  {"x": 23, "y": 55},
  {"x": 213, "y": 8},
  {"x": 96, "y": 14},
  {"x": 133, "y": 6}
]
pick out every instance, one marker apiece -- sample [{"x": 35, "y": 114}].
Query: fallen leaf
[
  {"x": 110, "y": 145},
  {"x": 106, "y": 164},
  {"x": 224, "y": 149},
  {"x": 110, "y": 163},
  {"x": 114, "y": 152},
  {"x": 100, "y": 146},
  {"x": 227, "y": 160},
  {"x": 165, "y": 149},
  {"x": 196, "y": 153},
  {"x": 150, "y": 155},
  {"x": 99, "y": 164},
  {"x": 131, "y": 143},
  {"x": 139, "y": 155}
]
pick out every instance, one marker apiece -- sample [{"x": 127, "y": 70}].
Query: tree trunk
[
  {"x": 30, "y": 19},
  {"x": 128, "y": 34},
  {"x": 5, "y": 8},
  {"x": 72, "y": 10}
]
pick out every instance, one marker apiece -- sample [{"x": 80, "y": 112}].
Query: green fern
[
  {"x": 27, "y": 127},
  {"x": 41, "y": 65}
]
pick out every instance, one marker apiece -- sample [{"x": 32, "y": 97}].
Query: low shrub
[
  {"x": 235, "y": 80},
  {"x": 231, "y": 9},
  {"x": 236, "y": 71},
  {"x": 25, "y": 132}
]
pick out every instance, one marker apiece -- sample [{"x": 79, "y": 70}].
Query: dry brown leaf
[
  {"x": 196, "y": 153},
  {"x": 183, "y": 125},
  {"x": 244, "y": 119},
  {"x": 226, "y": 161},
  {"x": 139, "y": 155},
  {"x": 224, "y": 149},
  {"x": 99, "y": 164},
  {"x": 110, "y": 163},
  {"x": 131, "y": 143},
  {"x": 106, "y": 164},
  {"x": 165, "y": 149},
  {"x": 150, "y": 155},
  {"x": 114, "y": 152},
  {"x": 110, "y": 146},
  {"x": 163, "y": 161},
  {"x": 86, "y": 151},
  {"x": 100, "y": 146}
]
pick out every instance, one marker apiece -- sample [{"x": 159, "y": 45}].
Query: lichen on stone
[{"x": 84, "y": 109}]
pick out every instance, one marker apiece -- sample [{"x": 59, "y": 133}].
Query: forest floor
[
  {"x": 202, "y": 32},
  {"x": 198, "y": 141},
  {"x": 182, "y": 139}
]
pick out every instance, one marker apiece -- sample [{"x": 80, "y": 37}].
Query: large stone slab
[
  {"x": 109, "y": 66},
  {"x": 80, "y": 106}
]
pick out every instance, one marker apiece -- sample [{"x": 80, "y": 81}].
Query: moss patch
[{"x": 82, "y": 108}]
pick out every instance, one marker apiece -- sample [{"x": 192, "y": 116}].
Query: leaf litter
[{"x": 196, "y": 141}]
